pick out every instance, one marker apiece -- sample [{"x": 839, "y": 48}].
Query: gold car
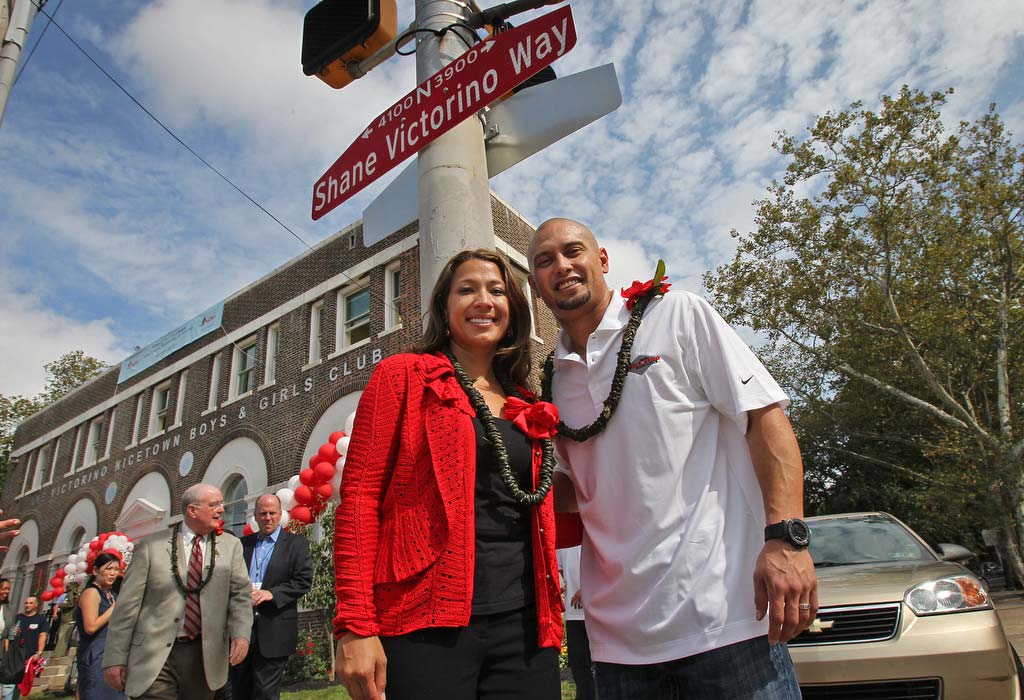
[{"x": 897, "y": 621}]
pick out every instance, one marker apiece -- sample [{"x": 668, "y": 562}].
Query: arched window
[
  {"x": 235, "y": 491},
  {"x": 77, "y": 538},
  {"x": 20, "y": 588}
]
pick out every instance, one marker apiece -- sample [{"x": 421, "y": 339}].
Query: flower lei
[
  {"x": 174, "y": 560},
  {"x": 537, "y": 428},
  {"x": 637, "y": 296}
]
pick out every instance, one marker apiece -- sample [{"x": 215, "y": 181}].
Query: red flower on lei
[
  {"x": 639, "y": 290},
  {"x": 537, "y": 421}
]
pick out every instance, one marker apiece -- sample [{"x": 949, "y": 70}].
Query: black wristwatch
[{"x": 794, "y": 531}]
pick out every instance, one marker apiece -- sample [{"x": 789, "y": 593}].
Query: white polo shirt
[{"x": 671, "y": 506}]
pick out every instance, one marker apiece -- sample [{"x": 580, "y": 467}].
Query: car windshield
[{"x": 863, "y": 539}]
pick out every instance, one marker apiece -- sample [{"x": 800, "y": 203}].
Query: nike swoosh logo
[{"x": 744, "y": 381}]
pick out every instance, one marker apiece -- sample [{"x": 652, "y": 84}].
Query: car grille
[
  {"x": 917, "y": 689},
  {"x": 847, "y": 625}
]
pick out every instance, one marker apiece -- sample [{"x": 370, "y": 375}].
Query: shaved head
[{"x": 557, "y": 225}]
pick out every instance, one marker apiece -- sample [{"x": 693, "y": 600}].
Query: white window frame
[
  {"x": 270, "y": 357},
  {"x": 237, "y": 369},
  {"x": 93, "y": 448},
  {"x": 392, "y": 315},
  {"x": 53, "y": 461},
  {"x": 78, "y": 441},
  {"x": 179, "y": 401},
  {"x": 157, "y": 415},
  {"x": 316, "y": 323},
  {"x": 110, "y": 432},
  {"x": 31, "y": 467},
  {"x": 524, "y": 284},
  {"x": 341, "y": 341},
  {"x": 212, "y": 399}
]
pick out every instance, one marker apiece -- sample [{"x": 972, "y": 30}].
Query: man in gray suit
[{"x": 185, "y": 609}]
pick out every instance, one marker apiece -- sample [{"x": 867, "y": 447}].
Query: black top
[
  {"x": 503, "y": 575},
  {"x": 27, "y": 630}
]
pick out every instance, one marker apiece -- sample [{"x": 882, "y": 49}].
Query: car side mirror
[{"x": 954, "y": 552}]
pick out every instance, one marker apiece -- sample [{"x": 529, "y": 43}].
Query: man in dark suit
[{"x": 281, "y": 571}]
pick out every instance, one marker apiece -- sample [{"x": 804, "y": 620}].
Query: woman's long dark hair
[
  {"x": 512, "y": 358},
  {"x": 101, "y": 560}
]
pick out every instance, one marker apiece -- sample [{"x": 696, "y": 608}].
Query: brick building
[{"x": 242, "y": 405}]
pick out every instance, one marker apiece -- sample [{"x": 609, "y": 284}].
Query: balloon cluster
[
  {"x": 79, "y": 565},
  {"x": 308, "y": 492}
]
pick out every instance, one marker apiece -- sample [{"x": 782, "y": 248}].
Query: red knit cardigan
[{"x": 404, "y": 533}]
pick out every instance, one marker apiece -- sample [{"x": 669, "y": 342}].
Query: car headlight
[{"x": 947, "y": 595}]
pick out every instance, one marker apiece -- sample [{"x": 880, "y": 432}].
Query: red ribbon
[{"x": 537, "y": 421}]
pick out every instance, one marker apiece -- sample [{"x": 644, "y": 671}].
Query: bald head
[
  {"x": 556, "y": 226},
  {"x": 268, "y": 513}
]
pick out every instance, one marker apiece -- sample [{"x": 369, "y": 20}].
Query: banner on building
[{"x": 181, "y": 336}]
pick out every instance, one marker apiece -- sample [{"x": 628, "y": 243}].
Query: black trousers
[
  {"x": 495, "y": 658},
  {"x": 257, "y": 677},
  {"x": 579, "y": 658}
]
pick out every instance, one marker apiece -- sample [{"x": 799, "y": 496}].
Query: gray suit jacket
[{"x": 148, "y": 612}]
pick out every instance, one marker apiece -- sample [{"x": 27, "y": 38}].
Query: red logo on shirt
[{"x": 641, "y": 364}]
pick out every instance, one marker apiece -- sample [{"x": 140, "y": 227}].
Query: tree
[
  {"x": 321, "y": 593},
  {"x": 886, "y": 273},
  {"x": 68, "y": 372}
]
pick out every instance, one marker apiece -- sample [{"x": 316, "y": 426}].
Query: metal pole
[
  {"x": 14, "y": 43},
  {"x": 455, "y": 197}
]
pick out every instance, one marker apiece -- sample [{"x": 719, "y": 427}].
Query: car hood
[{"x": 877, "y": 582}]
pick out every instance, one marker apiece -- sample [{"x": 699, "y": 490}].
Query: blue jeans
[{"x": 749, "y": 670}]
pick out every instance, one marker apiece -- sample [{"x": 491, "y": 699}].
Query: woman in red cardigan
[{"x": 444, "y": 545}]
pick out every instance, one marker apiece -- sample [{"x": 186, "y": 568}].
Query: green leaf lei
[
  {"x": 547, "y": 466},
  {"x": 611, "y": 403},
  {"x": 174, "y": 560}
]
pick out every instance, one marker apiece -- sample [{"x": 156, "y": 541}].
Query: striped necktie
[{"x": 193, "y": 615}]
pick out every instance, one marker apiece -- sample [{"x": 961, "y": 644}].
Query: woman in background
[{"x": 95, "y": 606}]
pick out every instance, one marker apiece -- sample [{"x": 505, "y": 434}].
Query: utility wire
[{"x": 49, "y": 19}]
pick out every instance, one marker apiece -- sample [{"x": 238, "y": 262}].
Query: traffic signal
[{"x": 337, "y": 32}]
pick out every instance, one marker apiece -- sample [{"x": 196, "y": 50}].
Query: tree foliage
[
  {"x": 68, "y": 372},
  {"x": 886, "y": 273}
]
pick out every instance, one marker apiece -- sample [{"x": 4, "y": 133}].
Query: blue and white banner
[{"x": 181, "y": 336}]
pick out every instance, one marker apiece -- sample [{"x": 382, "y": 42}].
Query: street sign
[
  {"x": 515, "y": 128},
  {"x": 472, "y": 81}
]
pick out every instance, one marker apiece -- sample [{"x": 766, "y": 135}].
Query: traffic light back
[{"x": 337, "y": 32}]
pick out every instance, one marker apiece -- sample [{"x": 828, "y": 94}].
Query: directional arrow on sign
[{"x": 472, "y": 81}]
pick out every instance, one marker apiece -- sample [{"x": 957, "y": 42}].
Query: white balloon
[
  {"x": 336, "y": 486},
  {"x": 81, "y": 578},
  {"x": 294, "y": 482},
  {"x": 342, "y": 445},
  {"x": 130, "y": 546},
  {"x": 252, "y": 524},
  {"x": 287, "y": 497},
  {"x": 285, "y": 518},
  {"x": 70, "y": 568},
  {"x": 73, "y": 559},
  {"x": 67, "y": 580}
]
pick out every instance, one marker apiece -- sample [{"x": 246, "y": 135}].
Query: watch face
[{"x": 798, "y": 532}]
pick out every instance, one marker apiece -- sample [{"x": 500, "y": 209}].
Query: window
[
  {"x": 243, "y": 368},
  {"x": 392, "y": 290},
  {"x": 27, "y": 483},
  {"x": 94, "y": 443},
  {"x": 235, "y": 491},
  {"x": 354, "y": 310},
  {"x": 270, "y": 362},
  {"x": 136, "y": 424},
  {"x": 179, "y": 403},
  {"x": 53, "y": 461},
  {"x": 78, "y": 441},
  {"x": 158, "y": 409},
  {"x": 352, "y": 240},
  {"x": 214, "y": 383},
  {"x": 110, "y": 432},
  {"x": 316, "y": 320}
]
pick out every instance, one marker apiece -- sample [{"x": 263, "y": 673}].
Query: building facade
[{"x": 242, "y": 407}]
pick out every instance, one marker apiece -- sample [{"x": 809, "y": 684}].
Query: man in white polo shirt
[{"x": 687, "y": 592}]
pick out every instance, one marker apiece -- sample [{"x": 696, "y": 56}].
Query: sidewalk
[{"x": 1010, "y": 607}]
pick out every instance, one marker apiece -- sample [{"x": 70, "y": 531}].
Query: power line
[{"x": 49, "y": 20}]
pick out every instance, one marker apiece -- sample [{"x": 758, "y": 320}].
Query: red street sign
[{"x": 472, "y": 81}]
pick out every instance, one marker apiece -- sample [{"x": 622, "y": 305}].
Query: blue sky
[{"x": 113, "y": 234}]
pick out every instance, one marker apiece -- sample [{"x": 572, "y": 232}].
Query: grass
[{"x": 337, "y": 692}]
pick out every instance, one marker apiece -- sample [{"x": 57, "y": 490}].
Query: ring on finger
[{"x": 805, "y": 606}]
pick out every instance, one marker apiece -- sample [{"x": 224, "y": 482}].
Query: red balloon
[
  {"x": 313, "y": 460},
  {"x": 303, "y": 495},
  {"x": 56, "y": 581},
  {"x": 324, "y": 471},
  {"x": 103, "y": 537},
  {"x": 335, "y": 436},
  {"x": 91, "y": 555},
  {"x": 246, "y": 530},
  {"x": 95, "y": 546},
  {"x": 306, "y": 477},
  {"x": 324, "y": 491},
  {"x": 47, "y": 595},
  {"x": 302, "y": 514},
  {"x": 328, "y": 452}
]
